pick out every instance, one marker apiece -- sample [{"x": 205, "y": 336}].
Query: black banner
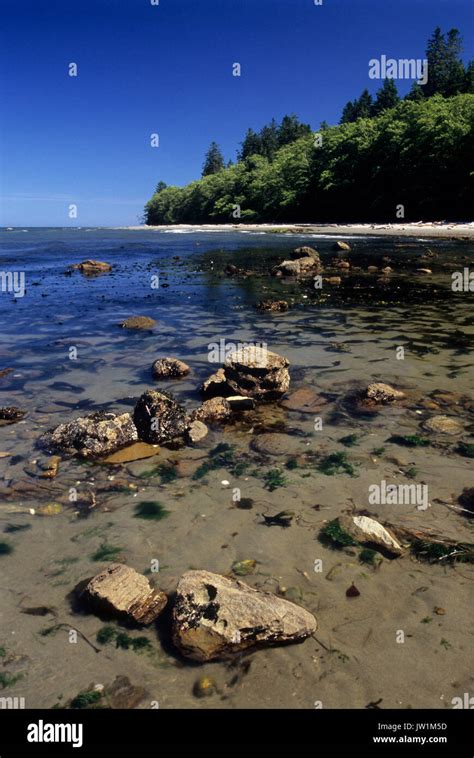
[{"x": 150, "y": 732}]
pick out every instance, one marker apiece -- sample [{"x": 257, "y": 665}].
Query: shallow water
[{"x": 336, "y": 340}]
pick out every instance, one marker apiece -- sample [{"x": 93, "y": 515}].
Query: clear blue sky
[{"x": 168, "y": 69}]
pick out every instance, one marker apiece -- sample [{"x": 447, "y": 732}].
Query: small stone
[
  {"x": 275, "y": 443},
  {"x": 273, "y": 306},
  {"x": 424, "y": 270},
  {"x": 443, "y": 425},
  {"x": 387, "y": 270},
  {"x": 372, "y": 269},
  {"x": 343, "y": 265},
  {"x": 92, "y": 268},
  {"x": 138, "y": 322},
  {"x": 214, "y": 617},
  {"x": 204, "y": 687},
  {"x": 123, "y": 695},
  {"x": 333, "y": 280},
  {"x": 121, "y": 590},
  {"x": 196, "y": 431},
  {"x": 383, "y": 393},
  {"x": 11, "y": 414},
  {"x": 371, "y": 533},
  {"x": 217, "y": 409},
  {"x": 169, "y": 368},
  {"x": 339, "y": 245},
  {"x": 245, "y": 567}
]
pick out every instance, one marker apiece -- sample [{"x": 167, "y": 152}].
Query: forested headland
[{"x": 385, "y": 153}]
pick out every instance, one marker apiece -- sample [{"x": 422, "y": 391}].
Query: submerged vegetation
[
  {"x": 336, "y": 463},
  {"x": 151, "y": 510}
]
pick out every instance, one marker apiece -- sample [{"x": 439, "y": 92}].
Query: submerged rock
[
  {"x": 158, "y": 417},
  {"x": 274, "y": 443},
  {"x": 97, "y": 434},
  {"x": 214, "y": 617},
  {"x": 443, "y": 425},
  {"x": 92, "y": 268},
  {"x": 383, "y": 393},
  {"x": 169, "y": 368},
  {"x": 135, "y": 452},
  {"x": 215, "y": 410},
  {"x": 339, "y": 245},
  {"x": 305, "y": 400},
  {"x": 11, "y": 415},
  {"x": 124, "y": 695},
  {"x": 138, "y": 322},
  {"x": 122, "y": 591},
  {"x": 301, "y": 267}
]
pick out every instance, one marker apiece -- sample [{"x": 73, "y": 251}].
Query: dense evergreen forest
[{"x": 385, "y": 153}]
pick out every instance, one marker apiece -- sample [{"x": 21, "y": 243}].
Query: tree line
[{"x": 385, "y": 152}]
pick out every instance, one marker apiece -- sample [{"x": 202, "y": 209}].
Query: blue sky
[{"x": 167, "y": 69}]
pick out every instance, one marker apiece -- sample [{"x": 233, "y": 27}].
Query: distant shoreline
[{"x": 433, "y": 229}]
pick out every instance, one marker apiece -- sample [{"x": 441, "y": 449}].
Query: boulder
[
  {"x": 215, "y": 410},
  {"x": 122, "y": 591},
  {"x": 196, "y": 431},
  {"x": 302, "y": 267},
  {"x": 215, "y": 385},
  {"x": 304, "y": 252},
  {"x": 383, "y": 393},
  {"x": 214, "y": 617},
  {"x": 138, "y": 322},
  {"x": 339, "y": 245},
  {"x": 169, "y": 368},
  {"x": 443, "y": 425},
  {"x": 92, "y": 268},
  {"x": 91, "y": 436},
  {"x": 158, "y": 417}
]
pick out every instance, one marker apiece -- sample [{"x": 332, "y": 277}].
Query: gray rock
[
  {"x": 304, "y": 252},
  {"x": 91, "y": 436},
  {"x": 169, "y": 368},
  {"x": 158, "y": 417},
  {"x": 214, "y": 617},
  {"x": 121, "y": 590}
]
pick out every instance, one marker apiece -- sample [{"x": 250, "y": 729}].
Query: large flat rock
[{"x": 214, "y": 617}]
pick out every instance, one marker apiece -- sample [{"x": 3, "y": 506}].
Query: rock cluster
[
  {"x": 251, "y": 372},
  {"x": 304, "y": 262}
]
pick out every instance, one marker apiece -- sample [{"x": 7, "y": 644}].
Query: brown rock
[
  {"x": 273, "y": 306},
  {"x": 169, "y": 368},
  {"x": 383, "y": 393},
  {"x": 92, "y": 268},
  {"x": 215, "y": 410},
  {"x": 121, "y": 590},
  {"x": 443, "y": 425},
  {"x": 136, "y": 452},
  {"x": 11, "y": 415},
  {"x": 91, "y": 436},
  {"x": 305, "y": 400},
  {"x": 124, "y": 695},
  {"x": 214, "y": 617},
  {"x": 274, "y": 443},
  {"x": 304, "y": 252},
  {"x": 138, "y": 322}
]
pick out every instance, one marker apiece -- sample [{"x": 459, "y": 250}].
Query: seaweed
[
  {"x": 409, "y": 440},
  {"x": 11, "y": 528},
  {"x": 350, "y": 440},
  {"x": 106, "y": 552},
  {"x": 291, "y": 464},
  {"x": 151, "y": 510},
  {"x": 105, "y": 635},
  {"x": 368, "y": 556},
  {"x": 221, "y": 456},
  {"x": 5, "y": 548},
  {"x": 334, "y": 535},
  {"x": 274, "y": 478},
  {"x": 87, "y": 699},
  {"x": 378, "y": 451},
  {"x": 8, "y": 680},
  {"x": 439, "y": 551},
  {"x": 336, "y": 463},
  {"x": 466, "y": 449},
  {"x": 123, "y": 640}
]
